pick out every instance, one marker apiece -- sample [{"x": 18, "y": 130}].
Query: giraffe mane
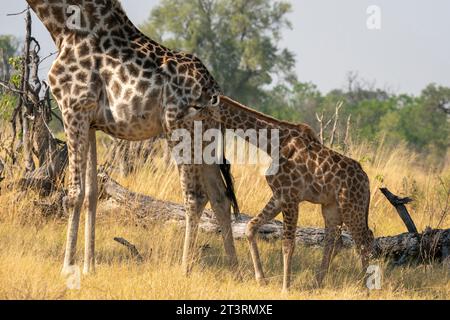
[
  {"x": 261, "y": 115},
  {"x": 305, "y": 129},
  {"x": 118, "y": 5}
]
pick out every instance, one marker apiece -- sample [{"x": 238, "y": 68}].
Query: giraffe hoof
[
  {"x": 72, "y": 276},
  {"x": 69, "y": 271},
  {"x": 88, "y": 271}
]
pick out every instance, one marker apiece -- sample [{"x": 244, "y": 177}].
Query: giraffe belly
[{"x": 130, "y": 121}]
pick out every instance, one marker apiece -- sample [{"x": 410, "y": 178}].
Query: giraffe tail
[{"x": 225, "y": 169}]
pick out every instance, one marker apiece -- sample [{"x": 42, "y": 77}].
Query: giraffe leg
[
  {"x": 195, "y": 202},
  {"x": 194, "y": 210},
  {"x": 221, "y": 206},
  {"x": 357, "y": 220},
  {"x": 365, "y": 251},
  {"x": 363, "y": 238},
  {"x": 271, "y": 210},
  {"x": 78, "y": 143},
  {"x": 333, "y": 241},
  {"x": 92, "y": 195},
  {"x": 223, "y": 215},
  {"x": 190, "y": 238},
  {"x": 290, "y": 219}
]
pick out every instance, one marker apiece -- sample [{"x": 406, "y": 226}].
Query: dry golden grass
[{"x": 32, "y": 247}]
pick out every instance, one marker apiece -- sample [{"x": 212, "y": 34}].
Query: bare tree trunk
[
  {"x": 27, "y": 112},
  {"x": 34, "y": 114},
  {"x": 336, "y": 120},
  {"x": 324, "y": 126},
  {"x": 400, "y": 205},
  {"x": 4, "y": 65},
  {"x": 347, "y": 135}
]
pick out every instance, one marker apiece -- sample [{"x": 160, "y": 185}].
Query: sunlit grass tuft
[{"x": 32, "y": 247}]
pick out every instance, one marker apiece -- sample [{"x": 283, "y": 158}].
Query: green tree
[
  {"x": 295, "y": 101},
  {"x": 425, "y": 125},
  {"x": 237, "y": 39},
  {"x": 8, "y": 62},
  {"x": 8, "y": 48}
]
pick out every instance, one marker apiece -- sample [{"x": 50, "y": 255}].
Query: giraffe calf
[{"x": 307, "y": 171}]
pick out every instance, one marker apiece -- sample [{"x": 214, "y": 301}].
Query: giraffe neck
[
  {"x": 95, "y": 17},
  {"x": 236, "y": 116}
]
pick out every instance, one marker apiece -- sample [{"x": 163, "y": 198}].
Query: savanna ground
[{"x": 32, "y": 247}]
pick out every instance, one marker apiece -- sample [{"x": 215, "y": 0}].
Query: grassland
[{"x": 32, "y": 247}]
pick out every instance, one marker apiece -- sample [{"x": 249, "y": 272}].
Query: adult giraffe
[{"x": 109, "y": 76}]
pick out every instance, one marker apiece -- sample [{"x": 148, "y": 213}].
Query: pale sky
[{"x": 331, "y": 38}]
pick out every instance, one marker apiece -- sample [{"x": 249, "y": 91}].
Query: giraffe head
[
  {"x": 208, "y": 107},
  {"x": 186, "y": 90}
]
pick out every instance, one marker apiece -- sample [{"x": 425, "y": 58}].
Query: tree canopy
[
  {"x": 423, "y": 121},
  {"x": 237, "y": 39},
  {"x": 8, "y": 48}
]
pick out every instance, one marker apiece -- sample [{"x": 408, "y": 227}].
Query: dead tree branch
[
  {"x": 18, "y": 13},
  {"x": 324, "y": 126},
  {"x": 335, "y": 123},
  {"x": 133, "y": 250},
  {"x": 347, "y": 134},
  {"x": 27, "y": 112},
  {"x": 399, "y": 204},
  {"x": 34, "y": 114}
]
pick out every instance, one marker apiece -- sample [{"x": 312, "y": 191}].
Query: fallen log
[{"x": 432, "y": 245}]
